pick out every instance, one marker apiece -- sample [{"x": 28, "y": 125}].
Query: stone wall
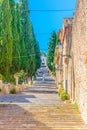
[
  {"x": 67, "y": 28},
  {"x": 58, "y": 65},
  {"x": 5, "y": 88},
  {"x": 79, "y": 51},
  {"x": 63, "y": 60}
]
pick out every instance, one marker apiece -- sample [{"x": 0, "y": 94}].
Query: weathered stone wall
[
  {"x": 79, "y": 50},
  {"x": 5, "y": 88},
  {"x": 67, "y": 28},
  {"x": 58, "y": 65}
]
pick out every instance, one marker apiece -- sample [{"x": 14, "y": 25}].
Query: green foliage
[
  {"x": 57, "y": 41},
  {"x": 30, "y": 44},
  {"x": 42, "y": 53},
  {"x": 61, "y": 91},
  {"x": 60, "y": 83},
  {"x": 63, "y": 95},
  {"x": 53, "y": 73},
  {"x": 37, "y": 56},
  {"x": 51, "y": 50},
  {"x": 0, "y": 89},
  {"x": 6, "y": 38},
  {"x": 0, "y": 77},
  {"x": 16, "y": 46},
  {"x": 75, "y": 106},
  {"x": 9, "y": 79},
  {"x": 19, "y": 49},
  {"x": 31, "y": 53},
  {"x": 12, "y": 80},
  {"x": 24, "y": 20},
  {"x": 21, "y": 77},
  {"x": 13, "y": 91}
]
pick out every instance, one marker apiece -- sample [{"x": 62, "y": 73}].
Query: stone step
[{"x": 44, "y": 111}]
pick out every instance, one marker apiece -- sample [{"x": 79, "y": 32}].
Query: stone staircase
[
  {"x": 26, "y": 117},
  {"x": 38, "y": 108}
]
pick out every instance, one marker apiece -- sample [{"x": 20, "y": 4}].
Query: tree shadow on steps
[
  {"x": 18, "y": 98},
  {"x": 15, "y": 117},
  {"x": 42, "y": 91}
]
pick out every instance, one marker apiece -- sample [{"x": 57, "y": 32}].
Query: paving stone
[{"x": 38, "y": 108}]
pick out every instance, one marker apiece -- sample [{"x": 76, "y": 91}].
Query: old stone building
[
  {"x": 67, "y": 61},
  {"x": 63, "y": 66},
  {"x": 79, "y": 55},
  {"x": 58, "y": 60},
  {"x": 73, "y": 57}
]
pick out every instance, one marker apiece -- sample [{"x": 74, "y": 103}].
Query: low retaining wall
[{"x": 5, "y": 88}]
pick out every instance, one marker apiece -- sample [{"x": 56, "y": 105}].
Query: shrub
[
  {"x": 13, "y": 91},
  {"x": 12, "y": 80},
  {"x": 0, "y": 77},
  {"x": 61, "y": 90},
  {"x": 75, "y": 106},
  {"x": 9, "y": 79},
  {"x": 53, "y": 73},
  {"x": 21, "y": 78},
  {"x": 64, "y": 96},
  {"x": 0, "y": 89},
  {"x": 60, "y": 83},
  {"x": 5, "y": 79}
]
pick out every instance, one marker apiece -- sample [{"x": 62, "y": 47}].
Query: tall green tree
[
  {"x": 16, "y": 46},
  {"x": 51, "y": 50},
  {"x": 22, "y": 34},
  {"x": 34, "y": 59},
  {"x": 0, "y": 28},
  {"x": 29, "y": 39},
  {"x": 6, "y": 38},
  {"x": 37, "y": 55},
  {"x": 19, "y": 49},
  {"x": 31, "y": 52}
]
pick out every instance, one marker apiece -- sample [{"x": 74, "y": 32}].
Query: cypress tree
[
  {"x": 16, "y": 46},
  {"x": 51, "y": 50},
  {"x": 31, "y": 52},
  {"x": 19, "y": 49},
  {"x": 37, "y": 55},
  {"x": 34, "y": 60},
  {"x": 24, "y": 17},
  {"x": 32, "y": 47},
  {"x": 0, "y": 30},
  {"x": 6, "y": 35},
  {"x": 28, "y": 36}
]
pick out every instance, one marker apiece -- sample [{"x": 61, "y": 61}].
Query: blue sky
[{"x": 46, "y": 22}]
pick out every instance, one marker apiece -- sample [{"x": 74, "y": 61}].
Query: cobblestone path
[{"x": 38, "y": 108}]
